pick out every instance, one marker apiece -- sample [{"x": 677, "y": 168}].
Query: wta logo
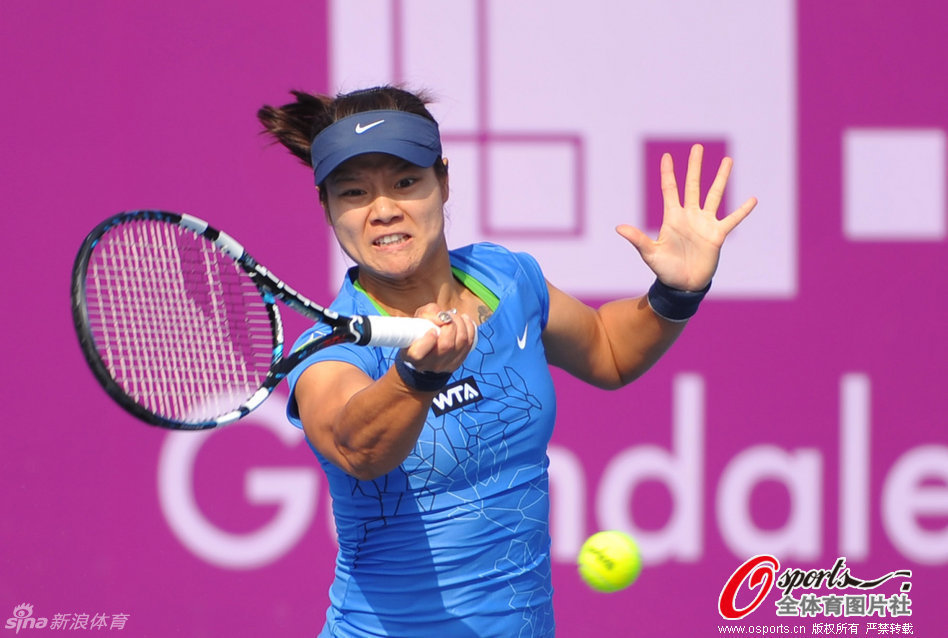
[
  {"x": 760, "y": 572},
  {"x": 456, "y": 396}
]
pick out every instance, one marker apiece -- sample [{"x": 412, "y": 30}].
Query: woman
[{"x": 436, "y": 454}]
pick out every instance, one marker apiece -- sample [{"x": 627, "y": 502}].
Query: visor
[{"x": 411, "y": 137}]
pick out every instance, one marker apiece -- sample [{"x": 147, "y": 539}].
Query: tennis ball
[{"x": 609, "y": 561}]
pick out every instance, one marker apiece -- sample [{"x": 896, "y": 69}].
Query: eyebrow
[{"x": 351, "y": 175}]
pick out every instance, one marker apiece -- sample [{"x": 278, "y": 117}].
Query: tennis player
[{"x": 436, "y": 454}]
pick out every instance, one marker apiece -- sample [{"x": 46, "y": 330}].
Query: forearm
[
  {"x": 374, "y": 430},
  {"x": 607, "y": 347},
  {"x": 368, "y": 427},
  {"x": 636, "y": 336}
]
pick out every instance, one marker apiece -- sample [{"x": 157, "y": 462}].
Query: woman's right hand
[{"x": 443, "y": 350}]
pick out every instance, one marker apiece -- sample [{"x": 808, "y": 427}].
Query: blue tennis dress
[{"x": 455, "y": 542}]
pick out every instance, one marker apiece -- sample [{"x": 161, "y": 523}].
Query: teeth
[{"x": 389, "y": 239}]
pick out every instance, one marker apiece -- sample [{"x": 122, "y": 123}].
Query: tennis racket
[{"x": 180, "y": 326}]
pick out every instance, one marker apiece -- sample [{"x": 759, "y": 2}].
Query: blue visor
[{"x": 411, "y": 137}]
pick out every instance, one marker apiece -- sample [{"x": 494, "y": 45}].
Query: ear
[
  {"x": 324, "y": 202},
  {"x": 445, "y": 188}
]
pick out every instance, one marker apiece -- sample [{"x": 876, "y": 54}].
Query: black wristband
[
  {"x": 673, "y": 304},
  {"x": 419, "y": 380}
]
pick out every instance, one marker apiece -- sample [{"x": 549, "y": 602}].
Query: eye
[
  {"x": 352, "y": 192},
  {"x": 406, "y": 182}
]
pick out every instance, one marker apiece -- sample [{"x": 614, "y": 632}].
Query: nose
[{"x": 385, "y": 210}]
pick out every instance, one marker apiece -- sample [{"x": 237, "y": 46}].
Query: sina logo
[
  {"x": 23, "y": 619},
  {"x": 456, "y": 395}
]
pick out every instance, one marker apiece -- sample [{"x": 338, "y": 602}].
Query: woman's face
[{"x": 387, "y": 214}]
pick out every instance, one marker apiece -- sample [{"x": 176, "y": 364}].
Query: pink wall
[{"x": 113, "y": 106}]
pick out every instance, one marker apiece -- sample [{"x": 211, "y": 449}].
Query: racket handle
[{"x": 398, "y": 332}]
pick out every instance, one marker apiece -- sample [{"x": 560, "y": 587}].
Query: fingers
[
  {"x": 636, "y": 237},
  {"x": 716, "y": 192},
  {"x": 465, "y": 332},
  {"x": 669, "y": 183},
  {"x": 693, "y": 177},
  {"x": 692, "y": 193},
  {"x": 446, "y": 349},
  {"x": 455, "y": 341},
  {"x": 692, "y": 190},
  {"x": 730, "y": 222}
]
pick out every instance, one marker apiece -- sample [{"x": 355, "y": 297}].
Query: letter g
[{"x": 294, "y": 490}]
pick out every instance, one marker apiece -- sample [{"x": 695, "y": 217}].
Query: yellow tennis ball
[{"x": 609, "y": 561}]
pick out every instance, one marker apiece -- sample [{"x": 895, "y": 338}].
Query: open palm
[{"x": 685, "y": 255}]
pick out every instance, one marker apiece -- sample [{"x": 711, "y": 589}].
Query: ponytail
[{"x": 294, "y": 125}]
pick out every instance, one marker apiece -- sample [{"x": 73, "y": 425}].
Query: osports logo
[{"x": 762, "y": 571}]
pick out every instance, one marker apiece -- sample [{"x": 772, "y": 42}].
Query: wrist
[
  {"x": 673, "y": 304},
  {"x": 420, "y": 380}
]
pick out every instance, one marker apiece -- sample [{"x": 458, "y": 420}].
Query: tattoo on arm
[{"x": 483, "y": 314}]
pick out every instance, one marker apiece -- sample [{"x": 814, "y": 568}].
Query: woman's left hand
[{"x": 685, "y": 255}]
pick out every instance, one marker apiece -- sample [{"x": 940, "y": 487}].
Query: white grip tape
[{"x": 398, "y": 332}]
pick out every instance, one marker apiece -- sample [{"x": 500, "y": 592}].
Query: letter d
[{"x": 680, "y": 471}]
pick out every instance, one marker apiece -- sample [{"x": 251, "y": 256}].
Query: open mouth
[{"x": 391, "y": 240}]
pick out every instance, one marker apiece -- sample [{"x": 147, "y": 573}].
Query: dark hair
[{"x": 294, "y": 125}]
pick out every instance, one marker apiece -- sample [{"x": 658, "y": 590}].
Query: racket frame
[{"x": 355, "y": 329}]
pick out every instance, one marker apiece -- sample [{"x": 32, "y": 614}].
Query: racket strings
[{"x": 181, "y": 328}]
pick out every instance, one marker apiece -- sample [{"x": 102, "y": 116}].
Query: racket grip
[{"x": 398, "y": 332}]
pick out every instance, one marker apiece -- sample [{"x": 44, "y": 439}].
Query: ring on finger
[{"x": 445, "y": 317}]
